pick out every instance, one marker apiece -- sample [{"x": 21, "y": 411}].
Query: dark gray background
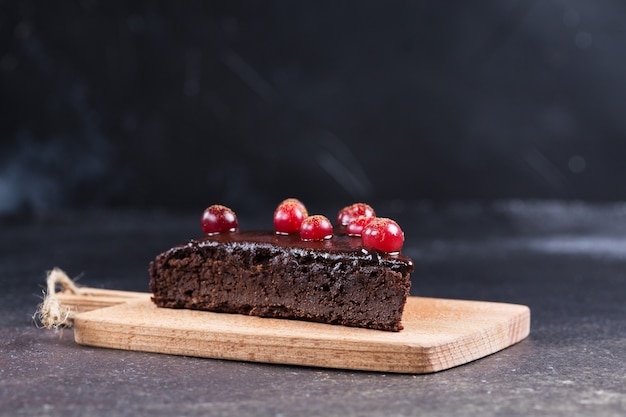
[{"x": 160, "y": 104}]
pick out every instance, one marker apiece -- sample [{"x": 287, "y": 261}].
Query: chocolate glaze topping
[{"x": 340, "y": 247}]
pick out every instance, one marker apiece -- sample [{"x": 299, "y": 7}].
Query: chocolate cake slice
[{"x": 264, "y": 274}]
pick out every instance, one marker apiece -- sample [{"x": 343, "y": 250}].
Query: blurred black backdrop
[{"x": 184, "y": 104}]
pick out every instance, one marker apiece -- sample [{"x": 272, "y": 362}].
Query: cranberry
[
  {"x": 383, "y": 235},
  {"x": 353, "y": 211},
  {"x": 298, "y": 203},
  {"x": 218, "y": 219},
  {"x": 355, "y": 227},
  {"x": 289, "y": 216},
  {"x": 316, "y": 227}
]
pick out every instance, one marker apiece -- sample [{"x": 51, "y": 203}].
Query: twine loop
[{"x": 50, "y": 313}]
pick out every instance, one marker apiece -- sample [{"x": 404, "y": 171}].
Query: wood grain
[
  {"x": 89, "y": 298},
  {"x": 438, "y": 334}
]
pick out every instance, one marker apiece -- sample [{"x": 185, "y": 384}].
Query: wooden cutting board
[{"x": 438, "y": 333}]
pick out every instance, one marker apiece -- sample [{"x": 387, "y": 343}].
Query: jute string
[{"x": 51, "y": 313}]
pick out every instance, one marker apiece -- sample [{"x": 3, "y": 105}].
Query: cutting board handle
[{"x": 58, "y": 308}]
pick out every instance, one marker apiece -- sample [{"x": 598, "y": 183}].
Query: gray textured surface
[{"x": 567, "y": 262}]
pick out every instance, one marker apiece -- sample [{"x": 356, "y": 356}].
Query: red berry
[
  {"x": 289, "y": 216},
  {"x": 298, "y": 203},
  {"x": 349, "y": 213},
  {"x": 316, "y": 227},
  {"x": 355, "y": 227},
  {"x": 218, "y": 219},
  {"x": 383, "y": 235}
]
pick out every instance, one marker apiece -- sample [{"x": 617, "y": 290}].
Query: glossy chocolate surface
[{"x": 340, "y": 246}]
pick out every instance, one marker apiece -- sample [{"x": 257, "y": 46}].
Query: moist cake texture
[{"x": 264, "y": 274}]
